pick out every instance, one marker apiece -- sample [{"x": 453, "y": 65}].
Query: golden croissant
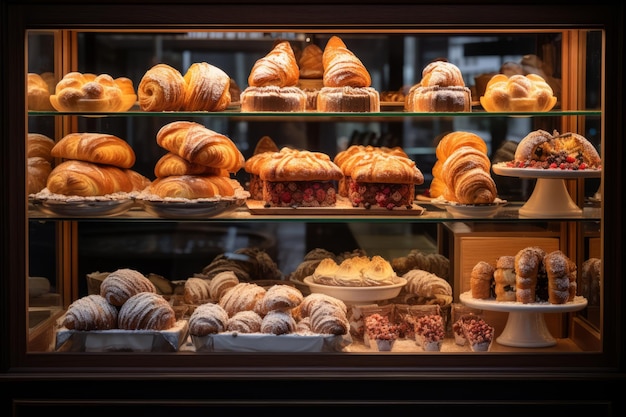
[
  {"x": 172, "y": 164},
  {"x": 195, "y": 143},
  {"x": 207, "y": 88},
  {"x": 342, "y": 68},
  {"x": 279, "y": 67},
  {"x": 80, "y": 178},
  {"x": 98, "y": 148},
  {"x": 192, "y": 186},
  {"x": 162, "y": 88}
]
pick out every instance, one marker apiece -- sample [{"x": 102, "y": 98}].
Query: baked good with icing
[
  {"x": 441, "y": 89},
  {"x": 378, "y": 272},
  {"x": 243, "y": 296},
  {"x": 273, "y": 98},
  {"x": 347, "y": 99},
  {"x": 527, "y": 266},
  {"x": 38, "y": 93},
  {"x": 122, "y": 284},
  {"x": 540, "y": 149},
  {"x": 146, "y": 311},
  {"x": 92, "y": 312},
  {"x": 221, "y": 282},
  {"x": 80, "y": 178},
  {"x": 99, "y": 148},
  {"x": 278, "y": 322},
  {"x": 208, "y": 318},
  {"x": 195, "y": 143},
  {"x": 530, "y": 93},
  {"x": 162, "y": 88},
  {"x": 192, "y": 186},
  {"x": 504, "y": 278},
  {"x": 245, "y": 322},
  {"x": 196, "y": 291},
  {"x": 207, "y": 88},
  {"x": 481, "y": 280}
]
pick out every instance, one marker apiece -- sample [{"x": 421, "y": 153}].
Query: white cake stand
[
  {"x": 525, "y": 326},
  {"x": 550, "y": 197}
]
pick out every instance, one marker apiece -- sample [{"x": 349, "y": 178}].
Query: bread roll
[
  {"x": 162, "y": 88},
  {"x": 89, "y": 92},
  {"x": 98, "y": 148}
]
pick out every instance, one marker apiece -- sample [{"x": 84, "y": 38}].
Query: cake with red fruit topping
[
  {"x": 567, "y": 151},
  {"x": 299, "y": 178},
  {"x": 429, "y": 332},
  {"x": 379, "y": 177},
  {"x": 475, "y": 330},
  {"x": 380, "y": 330}
]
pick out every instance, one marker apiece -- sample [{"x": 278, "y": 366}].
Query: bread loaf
[
  {"x": 195, "y": 143},
  {"x": 162, "y": 88},
  {"x": 98, "y": 148}
]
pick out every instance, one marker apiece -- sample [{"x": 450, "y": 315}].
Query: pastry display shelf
[
  {"x": 550, "y": 197},
  {"x": 525, "y": 325}
]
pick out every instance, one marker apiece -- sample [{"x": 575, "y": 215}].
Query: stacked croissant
[
  {"x": 204, "y": 87},
  {"x": 94, "y": 164},
  {"x": 39, "y": 161},
  {"x": 40, "y": 86},
  {"x": 462, "y": 171},
  {"x": 90, "y": 92},
  {"x": 128, "y": 300},
  {"x": 198, "y": 163}
]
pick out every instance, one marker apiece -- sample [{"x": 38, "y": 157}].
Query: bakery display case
[{"x": 59, "y": 248}]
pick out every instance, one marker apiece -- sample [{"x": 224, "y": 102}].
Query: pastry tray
[
  {"x": 260, "y": 342},
  {"x": 342, "y": 207},
  {"x": 117, "y": 340}
]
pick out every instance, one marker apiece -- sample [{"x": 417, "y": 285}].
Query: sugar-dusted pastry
[
  {"x": 146, "y": 311},
  {"x": 481, "y": 280},
  {"x": 207, "y": 88},
  {"x": 527, "y": 265},
  {"x": 280, "y": 297},
  {"x": 504, "y": 278},
  {"x": 162, "y": 88},
  {"x": 243, "y": 296},
  {"x": 99, "y": 148},
  {"x": 441, "y": 89},
  {"x": 122, "y": 284},
  {"x": 245, "y": 322},
  {"x": 195, "y": 143},
  {"x": 221, "y": 282},
  {"x": 92, "y": 312},
  {"x": 557, "y": 266},
  {"x": 196, "y": 291},
  {"x": 208, "y": 318},
  {"x": 428, "y": 287},
  {"x": 278, "y": 322}
]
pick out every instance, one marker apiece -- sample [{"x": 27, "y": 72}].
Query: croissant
[
  {"x": 195, "y": 143},
  {"x": 475, "y": 186},
  {"x": 384, "y": 168},
  {"x": 207, "y": 88},
  {"x": 279, "y": 67},
  {"x": 39, "y": 145},
  {"x": 172, "y": 164},
  {"x": 162, "y": 88},
  {"x": 192, "y": 186},
  {"x": 310, "y": 62},
  {"x": 98, "y": 148},
  {"x": 442, "y": 74},
  {"x": 341, "y": 67},
  {"x": 461, "y": 160},
  {"x": 454, "y": 140},
  {"x": 38, "y": 170},
  {"x": 85, "y": 179}
]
